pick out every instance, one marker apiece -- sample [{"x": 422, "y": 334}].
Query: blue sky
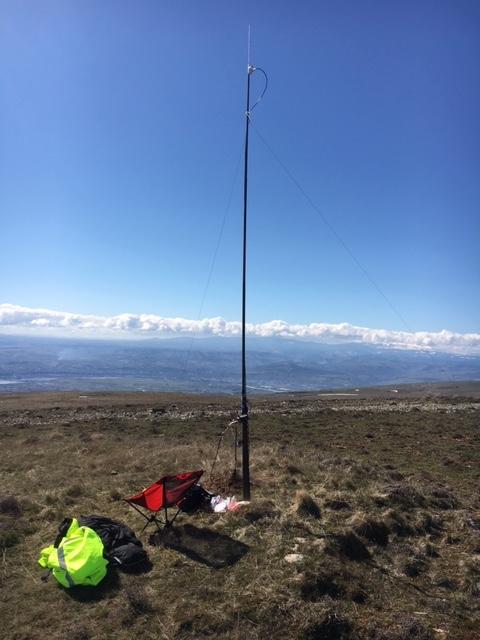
[{"x": 122, "y": 126}]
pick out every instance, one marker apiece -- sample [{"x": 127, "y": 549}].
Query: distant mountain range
[{"x": 212, "y": 365}]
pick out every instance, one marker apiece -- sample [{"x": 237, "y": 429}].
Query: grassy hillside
[{"x": 364, "y": 523}]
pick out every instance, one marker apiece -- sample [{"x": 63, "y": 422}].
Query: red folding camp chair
[{"x": 167, "y": 492}]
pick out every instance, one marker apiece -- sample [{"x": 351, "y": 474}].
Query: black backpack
[{"x": 195, "y": 499}]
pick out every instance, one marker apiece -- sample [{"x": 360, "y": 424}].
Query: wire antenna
[
  {"x": 332, "y": 229},
  {"x": 264, "y": 88},
  {"x": 212, "y": 263}
]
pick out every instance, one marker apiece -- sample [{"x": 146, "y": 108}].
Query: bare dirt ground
[{"x": 364, "y": 521}]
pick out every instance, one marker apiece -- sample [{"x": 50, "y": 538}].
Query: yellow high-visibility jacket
[{"x": 78, "y": 560}]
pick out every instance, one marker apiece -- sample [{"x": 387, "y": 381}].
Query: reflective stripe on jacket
[{"x": 78, "y": 560}]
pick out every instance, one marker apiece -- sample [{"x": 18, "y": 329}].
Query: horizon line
[{"x": 46, "y": 322}]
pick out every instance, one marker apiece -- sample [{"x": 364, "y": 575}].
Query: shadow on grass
[
  {"x": 109, "y": 585},
  {"x": 203, "y": 545}
]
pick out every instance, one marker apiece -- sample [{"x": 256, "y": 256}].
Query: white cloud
[{"x": 16, "y": 319}]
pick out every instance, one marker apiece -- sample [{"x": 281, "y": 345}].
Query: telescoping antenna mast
[{"x": 244, "y": 417}]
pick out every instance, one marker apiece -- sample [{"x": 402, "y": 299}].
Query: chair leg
[
  {"x": 167, "y": 524},
  {"x": 159, "y": 524},
  {"x": 173, "y": 519},
  {"x": 149, "y": 519},
  {"x": 146, "y": 525}
]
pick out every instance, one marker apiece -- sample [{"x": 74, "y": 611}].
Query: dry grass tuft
[
  {"x": 13, "y": 527},
  {"x": 51, "y": 498},
  {"x": 10, "y": 505},
  {"x": 336, "y": 504},
  {"x": 315, "y": 587},
  {"x": 398, "y": 523},
  {"x": 442, "y": 498},
  {"x": 224, "y": 482},
  {"x": 80, "y": 633},
  {"x": 407, "y": 628},
  {"x": 115, "y": 495},
  {"x": 9, "y": 535},
  {"x": 305, "y": 506},
  {"x": 293, "y": 470},
  {"x": 471, "y": 577},
  {"x": 404, "y": 496},
  {"x": 350, "y": 546},
  {"x": 371, "y": 529},
  {"x": 259, "y": 511},
  {"x": 415, "y": 566},
  {"x": 331, "y": 627},
  {"x": 429, "y": 523},
  {"x": 76, "y": 490},
  {"x": 138, "y": 600},
  {"x": 13, "y": 530}
]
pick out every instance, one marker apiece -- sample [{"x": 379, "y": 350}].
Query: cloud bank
[{"x": 17, "y": 319}]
